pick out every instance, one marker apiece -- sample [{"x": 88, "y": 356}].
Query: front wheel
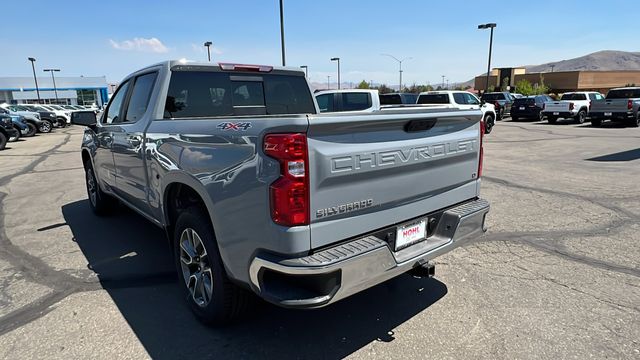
[
  {"x": 45, "y": 127},
  {"x": 18, "y": 133},
  {"x": 211, "y": 296},
  {"x": 3, "y": 141},
  {"x": 32, "y": 130},
  {"x": 489, "y": 121},
  {"x": 61, "y": 122}
]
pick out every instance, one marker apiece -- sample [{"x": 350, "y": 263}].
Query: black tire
[
  {"x": 514, "y": 118},
  {"x": 582, "y": 115},
  {"x": 18, "y": 133},
  {"x": 500, "y": 115},
  {"x": 61, "y": 122},
  {"x": 552, "y": 120},
  {"x": 489, "y": 122},
  {"x": 32, "y": 129},
  {"x": 226, "y": 302},
  {"x": 101, "y": 204},
  {"x": 635, "y": 122},
  {"x": 45, "y": 126},
  {"x": 3, "y": 140},
  {"x": 596, "y": 122}
]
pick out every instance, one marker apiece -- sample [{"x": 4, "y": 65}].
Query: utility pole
[
  {"x": 208, "y": 46},
  {"x": 55, "y": 90},
  {"x": 400, "y": 70},
  {"x": 33, "y": 67},
  {"x": 488, "y": 26},
  {"x": 284, "y": 63},
  {"x": 443, "y": 81}
]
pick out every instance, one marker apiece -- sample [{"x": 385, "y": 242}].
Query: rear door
[{"x": 374, "y": 170}]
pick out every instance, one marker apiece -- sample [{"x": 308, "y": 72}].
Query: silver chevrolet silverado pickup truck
[{"x": 259, "y": 192}]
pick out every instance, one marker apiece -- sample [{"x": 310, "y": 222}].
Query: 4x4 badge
[{"x": 239, "y": 126}]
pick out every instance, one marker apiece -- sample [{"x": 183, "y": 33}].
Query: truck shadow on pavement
[{"x": 133, "y": 263}]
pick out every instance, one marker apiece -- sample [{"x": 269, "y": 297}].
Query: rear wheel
[
  {"x": 32, "y": 129},
  {"x": 489, "y": 121},
  {"x": 514, "y": 118},
  {"x": 61, "y": 122},
  {"x": 18, "y": 133},
  {"x": 582, "y": 115},
  {"x": 45, "y": 126},
  {"x": 211, "y": 296},
  {"x": 100, "y": 203},
  {"x": 596, "y": 122},
  {"x": 552, "y": 120},
  {"x": 635, "y": 122},
  {"x": 3, "y": 141}
]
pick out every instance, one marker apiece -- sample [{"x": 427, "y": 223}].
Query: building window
[{"x": 87, "y": 97}]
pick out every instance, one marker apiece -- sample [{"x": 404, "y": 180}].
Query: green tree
[
  {"x": 363, "y": 85},
  {"x": 384, "y": 89},
  {"x": 524, "y": 87}
]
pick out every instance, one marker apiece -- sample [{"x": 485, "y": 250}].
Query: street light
[
  {"x": 328, "y": 83},
  {"x": 33, "y": 67},
  {"x": 306, "y": 70},
  {"x": 400, "y": 71},
  {"x": 208, "y": 46},
  {"x": 338, "y": 60},
  {"x": 443, "y": 81},
  {"x": 55, "y": 90},
  {"x": 482, "y": 27},
  {"x": 284, "y": 63}
]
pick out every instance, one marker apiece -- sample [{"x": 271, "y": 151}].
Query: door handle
[{"x": 135, "y": 141}]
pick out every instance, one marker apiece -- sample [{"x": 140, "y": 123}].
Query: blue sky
[{"x": 114, "y": 38}]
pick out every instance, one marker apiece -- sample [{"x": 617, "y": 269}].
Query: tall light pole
[
  {"x": 447, "y": 84},
  {"x": 328, "y": 82},
  {"x": 208, "y": 46},
  {"x": 284, "y": 63},
  {"x": 443, "y": 81},
  {"x": 482, "y": 27},
  {"x": 338, "y": 60},
  {"x": 306, "y": 70},
  {"x": 400, "y": 71},
  {"x": 33, "y": 67},
  {"x": 55, "y": 89}
]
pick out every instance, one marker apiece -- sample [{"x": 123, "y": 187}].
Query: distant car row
[
  {"x": 621, "y": 105},
  {"x": 370, "y": 101}
]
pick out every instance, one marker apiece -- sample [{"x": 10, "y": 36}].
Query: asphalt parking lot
[{"x": 556, "y": 276}]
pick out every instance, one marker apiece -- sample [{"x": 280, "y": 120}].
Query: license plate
[
  {"x": 607, "y": 114},
  {"x": 556, "y": 113},
  {"x": 521, "y": 107},
  {"x": 408, "y": 234}
]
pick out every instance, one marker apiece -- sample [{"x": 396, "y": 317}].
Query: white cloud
[{"x": 140, "y": 44}]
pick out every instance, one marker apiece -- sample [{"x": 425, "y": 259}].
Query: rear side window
[
  {"x": 355, "y": 101},
  {"x": 140, "y": 97},
  {"x": 433, "y": 99},
  {"x": 325, "y": 102},
  {"x": 623, "y": 94},
  {"x": 573, "y": 97},
  {"x": 209, "y": 94},
  {"x": 394, "y": 99}
]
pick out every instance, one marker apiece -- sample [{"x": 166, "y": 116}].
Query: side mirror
[{"x": 84, "y": 118}]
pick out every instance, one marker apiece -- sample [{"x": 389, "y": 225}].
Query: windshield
[
  {"x": 574, "y": 96},
  {"x": 433, "y": 99},
  {"x": 624, "y": 94},
  {"x": 493, "y": 96}
]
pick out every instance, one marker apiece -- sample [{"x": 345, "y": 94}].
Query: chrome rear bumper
[{"x": 340, "y": 271}]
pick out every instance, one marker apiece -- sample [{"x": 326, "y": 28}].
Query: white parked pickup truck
[
  {"x": 463, "y": 100},
  {"x": 572, "y": 105}
]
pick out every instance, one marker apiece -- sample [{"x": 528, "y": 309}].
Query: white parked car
[
  {"x": 461, "y": 100},
  {"x": 60, "y": 112}
]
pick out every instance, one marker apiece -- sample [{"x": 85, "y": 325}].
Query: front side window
[
  {"x": 471, "y": 99},
  {"x": 113, "y": 113},
  {"x": 140, "y": 96}
]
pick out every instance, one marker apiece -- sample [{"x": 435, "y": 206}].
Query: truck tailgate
[
  {"x": 610, "y": 105},
  {"x": 556, "y": 106},
  {"x": 384, "y": 169}
]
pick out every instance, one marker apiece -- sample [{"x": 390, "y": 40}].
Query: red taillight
[
  {"x": 571, "y": 106},
  {"x": 629, "y": 104},
  {"x": 496, "y": 104},
  {"x": 245, "y": 67},
  {"x": 481, "y": 157},
  {"x": 289, "y": 195}
]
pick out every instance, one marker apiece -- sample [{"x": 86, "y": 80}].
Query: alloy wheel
[{"x": 196, "y": 267}]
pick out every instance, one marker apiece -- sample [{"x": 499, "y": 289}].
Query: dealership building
[
  {"x": 559, "y": 81},
  {"x": 68, "y": 90}
]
